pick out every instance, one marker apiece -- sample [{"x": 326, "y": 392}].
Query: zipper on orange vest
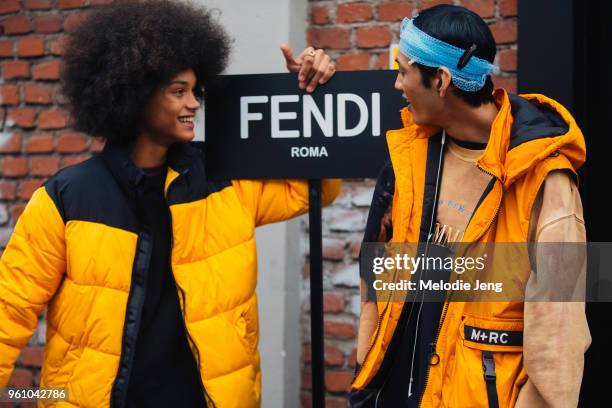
[
  {"x": 433, "y": 349},
  {"x": 446, "y": 303},
  {"x": 501, "y": 200}
]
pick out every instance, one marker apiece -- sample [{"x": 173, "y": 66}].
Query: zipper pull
[
  {"x": 410, "y": 387},
  {"x": 434, "y": 358}
]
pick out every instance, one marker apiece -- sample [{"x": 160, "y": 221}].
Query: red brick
[
  {"x": 353, "y": 62},
  {"x": 12, "y": 144},
  {"x": 16, "y": 211},
  {"x": 15, "y": 69},
  {"x": 53, "y": 119},
  {"x": 38, "y": 94},
  {"x": 508, "y": 83},
  {"x": 352, "y": 358},
  {"x": 373, "y": 37},
  {"x": 336, "y": 402},
  {"x": 425, "y": 4},
  {"x": 97, "y": 144},
  {"x": 72, "y": 160},
  {"x": 68, "y": 4},
  {"x": 319, "y": 15},
  {"x": 71, "y": 142},
  {"x": 22, "y": 117},
  {"x": 9, "y": 6},
  {"x": 44, "y": 165},
  {"x": 39, "y": 143},
  {"x": 30, "y": 47},
  {"x": 504, "y": 31},
  {"x": 306, "y": 399},
  {"x": 9, "y": 95},
  {"x": 31, "y": 404},
  {"x": 333, "y": 356},
  {"x": 72, "y": 21},
  {"x": 14, "y": 166},
  {"x": 394, "y": 11},
  {"x": 100, "y": 2},
  {"x": 335, "y": 38},
  {"x": 382, "y": 61},
  {"x": 508, "y": 8},
  {"x": 26, "y": 189},
  {"x": 484, "y": 8},
  {"x": 8, "y": 190},
  {"x": 51, "y": 23},
  {"x": 333, "y": 302},
  {"x": 337, "y": 328},
  {"x": 338, "y": 381},
  {"x": 21, "y": 378},
  {"x": 38, "y": 4},
  {"x": 306, "y": 353},
  {"x": 47, "y": 71},
  {"x": 57, "y": 46},
  {"x": 6, "y": 48},
  {"x": 353, "y": 12},
  {"x": 333, "y": 249},
  {"x": 354, "y": 248},
  {"x": 507, "y": 60},
  {"x": 18, "y": 24},
  {"x": 307, "y": 378}
]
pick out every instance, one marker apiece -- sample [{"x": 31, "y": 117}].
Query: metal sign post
[
  {"x": 265, "y": 127},
  {"x": 316, "y": 293}
]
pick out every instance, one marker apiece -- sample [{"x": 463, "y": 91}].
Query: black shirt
[{"x": 164, "y": 371}]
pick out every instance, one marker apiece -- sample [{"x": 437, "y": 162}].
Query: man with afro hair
[{"x": 147, "y": 268}]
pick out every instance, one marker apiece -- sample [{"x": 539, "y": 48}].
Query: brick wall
[
  {"x": 35, "y": 137},
  {"x": 357, "y": 34}
]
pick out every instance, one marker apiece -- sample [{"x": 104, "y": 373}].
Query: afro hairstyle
[{"x": 122, "y": 53}]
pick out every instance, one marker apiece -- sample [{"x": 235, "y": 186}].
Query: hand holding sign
[{"x": 315, "y": 67}]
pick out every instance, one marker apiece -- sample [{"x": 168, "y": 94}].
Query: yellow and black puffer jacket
[{"x": 80, "y": 248}]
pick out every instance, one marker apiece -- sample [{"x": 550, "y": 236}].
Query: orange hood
[{"x": 527, "y": 129}]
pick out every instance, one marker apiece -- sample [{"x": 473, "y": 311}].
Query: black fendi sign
[{"x": 264, "y": 126}]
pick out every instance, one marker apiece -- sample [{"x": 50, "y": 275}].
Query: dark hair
[
  {"x": 122, "y": 53},
  {"x": 460, "y": 27}
]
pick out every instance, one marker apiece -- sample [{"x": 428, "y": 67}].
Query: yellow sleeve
[
  {"x": 278, "y": 200},
  {"x": 31, "y": 269}
]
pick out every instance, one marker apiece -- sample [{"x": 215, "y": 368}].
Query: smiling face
[
  {"x": 169, "y": 117},
  {"x": 426, "y": 104}
]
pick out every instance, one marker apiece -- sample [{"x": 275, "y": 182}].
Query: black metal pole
[{"x": 316, "y": 293}]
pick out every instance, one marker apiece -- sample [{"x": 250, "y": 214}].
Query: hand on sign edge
[{"x": 314, "y": 67}]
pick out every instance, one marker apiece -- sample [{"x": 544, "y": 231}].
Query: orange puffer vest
[{"x": 519, "y": 155}]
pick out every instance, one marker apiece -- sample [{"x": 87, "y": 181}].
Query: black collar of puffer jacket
[{"x": 129, "y": 176}]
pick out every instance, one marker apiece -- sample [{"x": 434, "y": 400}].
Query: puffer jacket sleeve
[
  {"x": 31, "y": 268},
  {"x": 278, "y": 200}
]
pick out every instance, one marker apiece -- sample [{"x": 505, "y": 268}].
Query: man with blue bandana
[{"x": 478, "y": 165}]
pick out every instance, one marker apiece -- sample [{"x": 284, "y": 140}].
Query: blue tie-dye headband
[{"x": 426, "y": 50}]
